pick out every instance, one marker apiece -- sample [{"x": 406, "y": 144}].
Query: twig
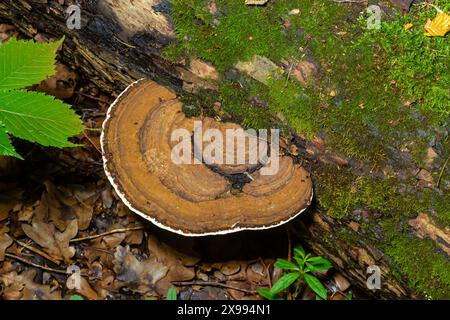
[
  {"x": 289, "y": 74},
  {"x": 106, "y": 234},
  {"x": 210, "y": 283},
  {"x": 91, "y": 142},
  {"x": 102, "y": 250},
  {"x": 45, "y": 268},
  {"x": 267, "y": 271},
  {"x": 441, "y": 173},
  {"x": 289, "y": 256},
  {"x": 349, "y": 1},
  {"x": 87, "y": 95},
  {"x": 123, "y": 42},
  {"x": 37, "y": 251}
]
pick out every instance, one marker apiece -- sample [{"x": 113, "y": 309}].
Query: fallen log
[{"x": 121, "y": 41}]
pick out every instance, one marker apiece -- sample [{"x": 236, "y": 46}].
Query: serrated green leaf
[
  {"x": 24, "y": 63},
  {"x": 171, "y": 294},
  {"x": 35, "y": 117},
  {"x": 284, "y": 282},
  {"x": 316, "y": 285},
  {"x": 284, "y": 264},
  {"x": 6, "y": 148}
]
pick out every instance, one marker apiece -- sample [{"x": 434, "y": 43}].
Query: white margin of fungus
[{"x": 153, "y": 220}]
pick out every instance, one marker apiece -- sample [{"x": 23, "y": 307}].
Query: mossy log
[{"x": 121, "y": 41}]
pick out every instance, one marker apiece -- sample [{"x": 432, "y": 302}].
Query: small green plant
[
  {"x": 300, "y": 272},
  {"x": 29, "y": 115},
  {"x": 171, "y": 294}
]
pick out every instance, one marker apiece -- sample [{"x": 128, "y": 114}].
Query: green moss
[
  {"x": 173, "y": 52},
  {"x": 238, "y": 32},
  {"x": 425, "y": 268},
  {"x": 419, "y": 65},
  {"x": 198, "y": 104},
  {"x": 360, "y": 65},
  {"x": 391, "y": 92},
  {"x": 244, "y": 106},
  {"x": 340, "y": 192}
]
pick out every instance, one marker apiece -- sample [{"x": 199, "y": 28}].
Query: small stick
[
  {"x": 45, "y": 268},
  {"x": 123, "y": 42},
  {"x": 289, "y": 74},
  {"x": 210, "y": 283},
  {"x": 91, "y": 142},
  {"x": 441, "y": 173},
  {"x": 267, "y": 271},
  {"x": 349, "y": 1},
  {"x": 102, "y": 250},
  {"x": 87, "y": 96},
  {"x": 106, "y": 234},
  {"x": 37, "y": 251},
  {"x": 289, "y": 257}
]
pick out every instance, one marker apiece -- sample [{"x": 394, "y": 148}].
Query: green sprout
[{"x": 300, "y": 272}]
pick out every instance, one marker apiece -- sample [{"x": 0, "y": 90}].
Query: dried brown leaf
[
  {"x": 5, "y": 242},
  {"x": 66, "y": 204},
  {"x": 53, "y": 242},
  {"x": 22, "y": 286},
  {"x": 87, "y": 291},
  {"x": 137, "y": 273},
  {"x": 172, "y": 260}
]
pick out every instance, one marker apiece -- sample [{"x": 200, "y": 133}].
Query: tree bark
[{"x": 121, "y": 41}]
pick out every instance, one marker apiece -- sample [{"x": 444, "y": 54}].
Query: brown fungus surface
[{"x": 190, "y": 199}]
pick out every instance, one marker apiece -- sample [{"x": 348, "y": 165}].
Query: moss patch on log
[
  {"x": 381, "y": 98},
  {"x": 387, "y": 84},
  {"x": 387, "y": 195},
  {"x": 424, "y": 267}
]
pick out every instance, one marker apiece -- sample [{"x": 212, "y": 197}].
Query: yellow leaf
[
  {"x": 437, "y": 27},
  {"x": 408, "y": 26}
]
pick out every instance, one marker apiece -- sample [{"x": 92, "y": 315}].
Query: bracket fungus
[{"x": 195, "y": 199}]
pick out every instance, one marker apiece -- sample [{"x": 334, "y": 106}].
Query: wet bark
[{"x": 121, "y": 41}]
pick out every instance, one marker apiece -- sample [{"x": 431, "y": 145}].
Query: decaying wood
[
  {"x": 121, "y": 41},
  {"x": 117, "y": 43}
]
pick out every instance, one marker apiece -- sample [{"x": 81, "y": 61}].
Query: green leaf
[
  {"x": 309, "y": 267},
  {"x": 266, "y": 293},
  {"x": 316, "y": 285},
  {"x": 6, "y": 148},
  {"x": 299, "y": 251},
  {"x": 284, "y": 282},
  {"x": 76, "y": 297},
  {"x": 348, "y": 297},
  {"x": 300, "y": 262},
  {"x": 318, "y": 263},
  {"x": 24, "y": 63},
  {"x": 35, "y": 117},
  {"x": 171, "y": 294},
  {"x": 286, "y": 265}
]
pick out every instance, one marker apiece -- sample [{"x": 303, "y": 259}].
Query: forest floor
[{"x": 58, "y": 211}]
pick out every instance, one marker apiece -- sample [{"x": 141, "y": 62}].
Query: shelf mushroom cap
[{"x": 189, "y": 199}]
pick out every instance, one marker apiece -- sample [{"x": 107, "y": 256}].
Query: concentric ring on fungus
[{"x": 189, "y": 199}]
